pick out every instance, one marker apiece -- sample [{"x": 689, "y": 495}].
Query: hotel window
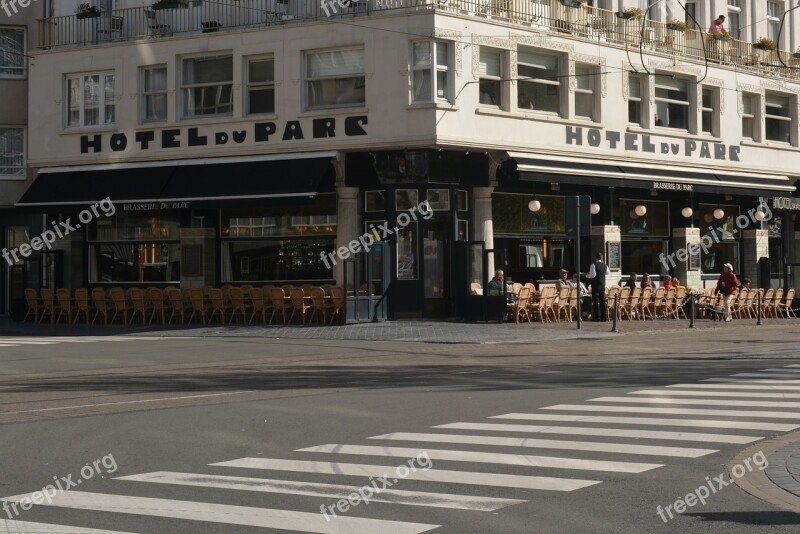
[
  {"x": 261, "y": 85},
  {"x": 778, "y": 119},
  {"x": 734, "y": 20},
  {"x": 431, "y": 71},
  {"x": 335, "y": 78},
  {"x": 672, "y": 101},
  {"x": 12, "y": 152},
  {"x": 12, "y": 52},
  {"x": 635, "y": 100},
  {"x": 774, "y": 14},
  {"x": 154, "y": 94},
  {"x": 709, "y": 117},
  {"x": 690, "y": 13},
  {"x": 207, "y": 86},
  {"x": 538, "y": 82},
  {"x": 749, "y": 109},
  {"x": 90, "y": 100},
  {"x": 490, "y": 76},
  {"x": 585, "y": 92}
]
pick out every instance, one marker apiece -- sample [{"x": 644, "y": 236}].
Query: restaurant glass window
[
  {"x": 538, "y": 82},
  {"x": 407, "y": 252},
  {"x": 654, "y": 222},
  {"x": 281, "y": 243},
  {"x": 135, "y": 247},
  {"x": 375, "y": 201},
  {"x": 718, "y": 254},
  {"x": 720, "y": 229},
  {"x": 672, "y": 101},
  {"x": 511, "y": 216},
  {"x": 644, "y": 256}
]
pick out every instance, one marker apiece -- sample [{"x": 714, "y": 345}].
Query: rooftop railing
[{"x": 567, "y": 18}]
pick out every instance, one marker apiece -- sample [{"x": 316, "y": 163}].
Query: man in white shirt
[{"x": 597, "y": 274}]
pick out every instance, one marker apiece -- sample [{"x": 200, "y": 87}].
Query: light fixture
[
  {"x": 759, "y": 215},
  {"x": 534, "y": 205},
  {"x": 687, "y": 212},
  {"x": 718, "y": 213},
  {"x": 640, "y": 210},
  {"x": 594, "y": 208}
]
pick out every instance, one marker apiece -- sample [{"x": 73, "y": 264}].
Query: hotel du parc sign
[{"x": 259, "y": 132}]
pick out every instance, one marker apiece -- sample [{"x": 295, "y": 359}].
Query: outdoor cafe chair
[
  {"x": 278, "y": 299},
  {"x": 137, "y": 298},
  {"x": 100, "y": 304},
  {"x": 119, "y": 305},
  {"x": 64, "y": 304},
  {"x": 33, "y": 305},
  {"x": 81, "y": 305}
]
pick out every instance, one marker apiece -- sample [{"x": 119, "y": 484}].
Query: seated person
[
  {"x": 631, "y": 283},
  {"x": 562, "y": 280},
  {"x": 647, "y": 282},
  {"x": 495, "y": 286},
  {"x": 668, "y": 284},
  {"x": 745, "y": 284},
  {"x": 586, "y": 299}
]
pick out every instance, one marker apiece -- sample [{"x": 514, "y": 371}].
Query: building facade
[
  {"x": 253, "y": 141},
  {"x": 17, "y": 43}
]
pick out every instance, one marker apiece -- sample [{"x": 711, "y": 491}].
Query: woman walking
[{"x": 727, "y": 286}]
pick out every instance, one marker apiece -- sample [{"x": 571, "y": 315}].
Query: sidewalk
[{"x": 426, "y": 331}]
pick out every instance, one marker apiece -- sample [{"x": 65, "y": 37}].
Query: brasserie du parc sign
[
  {"x": 633, "y": 142},
  {"x": 259, "y": 132}
]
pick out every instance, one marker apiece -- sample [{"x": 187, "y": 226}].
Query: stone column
[
  {"x": 601, "y": 236},
  {"x": 347, "y": 224},
  {"x": 482, "y": 224},
  {"x": 756, "y": 246},
  {"x": 685, "y": 240}
]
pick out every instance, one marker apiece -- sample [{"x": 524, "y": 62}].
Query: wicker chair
[
  {"x": 278, "y": 299},
  {"x": 119, "y": 304},
  {"x": 299, "y": 306},
  {"x": 217, "y": 298},
  {"x": 157, "y": 304},
  {"x": 337, "y": 295},
  {"x": 100, "y": 304},
  {"x": 785, "y": 307},
  {"x": 198, "y": 302},
  {"x": 81, "y": 305},
  {"x": 33, "y": 305},
  {"x": 546, "y": 300},
  {"x": 319, "y": 306},
  {"x": 236, "y": 296},
  {"x": 256, "y": 296},
  {"x": 177, "y": 307},
  {"x": 644, "y": 302},
  {"x": 64, "y": 305},
  {"x": 136, "y": 296},
  {"x": 520, "y": 307},
  {"x": 48, "y": 305}
]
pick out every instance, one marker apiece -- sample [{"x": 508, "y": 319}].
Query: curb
[{"x": 757, "y": 483}]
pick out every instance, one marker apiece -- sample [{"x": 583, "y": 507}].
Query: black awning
[
  {"x": 204, "y": 185},
  {"x": 613, "y": 174}
]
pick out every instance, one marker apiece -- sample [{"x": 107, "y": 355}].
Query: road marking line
[
  {"x": 413, "y": 498},
  {"x": 705, "y": 402},
  {"x": 487, "y": 458},
  {"x": 25, "y": 527},
  {"x": 429, "y": 475},
  {"x": 612, "y": 432},
  {"x": 618, "y": 448},
  {"x": 750, "y": 381},
  {"x": 646, "y": 421},
  {"x": 781, "y": 370},
  {"x": 229, "y": 514},
  {"x": 126, "y": 402},
  {"x": 765, "y": 375},
  {"x": 735, "y": 387},
  {"x": 674, "y": 411},
  {"x": 715, "y": 393}
]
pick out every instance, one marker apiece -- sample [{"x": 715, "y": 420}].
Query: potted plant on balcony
[
  {"x": 677, "y": 25},
  {"x": 722, "y": 35},
  {"x": 572, "y": 3},
  {"x": 796, "y": 54},
  {"x": 630, "y": 13},
  {"x": 765, "y": 44},
  {"x": 87, "y": 11},
  {"x": 170, "y": 4}
]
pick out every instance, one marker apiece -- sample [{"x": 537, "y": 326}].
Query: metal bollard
[
  {"x": 691, "y": 311},
  {"x": 758, "y": 305},
  {"x": 616, "y": 313}
]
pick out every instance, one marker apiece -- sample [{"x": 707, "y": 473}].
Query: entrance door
[{"x": 435, "y": 267}]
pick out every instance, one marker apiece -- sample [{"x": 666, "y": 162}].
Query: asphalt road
[{"x": 160, "y": 412}]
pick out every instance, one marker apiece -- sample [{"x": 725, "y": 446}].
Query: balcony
[{"x": 169, "y": 19}]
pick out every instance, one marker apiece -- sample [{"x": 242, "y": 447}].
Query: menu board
[{"x": 614, "y": 256}]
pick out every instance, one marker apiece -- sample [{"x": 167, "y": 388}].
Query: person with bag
[{"x": 727, "y": 286}]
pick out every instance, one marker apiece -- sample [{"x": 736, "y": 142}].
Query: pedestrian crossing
[
  {"x": 475, "y": 466},
  {"x": 43, "y": 341}
]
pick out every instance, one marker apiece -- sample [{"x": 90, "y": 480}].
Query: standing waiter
[{"x": 597, "y": 274}]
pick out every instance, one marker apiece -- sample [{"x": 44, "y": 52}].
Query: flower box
[
  {"x": 796, "y": 55},
  {"x": 88, "y": 15},
  {"x": 168, "y": 5},
  {"x": 676, "y": 27},
  {"x": 721, "y": 37},
  {"x": 623, "y": 15},
  {"x": 571, "y": 3}
]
